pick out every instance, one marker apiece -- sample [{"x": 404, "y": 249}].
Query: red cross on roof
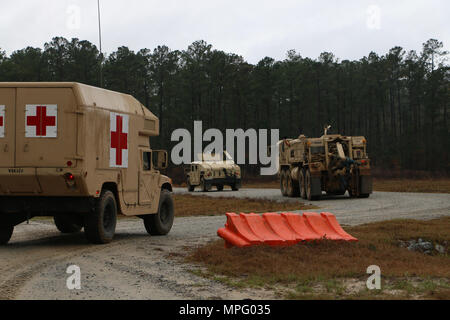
[
  {"x": 119, "y": 140},
  {"x": 41, "y": 121},
  {"x": 1, "y": 121}
]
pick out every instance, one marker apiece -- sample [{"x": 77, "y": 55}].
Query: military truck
[
  {"x": 81, "y": 155},
  {"x": 213, "y": 170},
  {"x": 332, "y": 163}
]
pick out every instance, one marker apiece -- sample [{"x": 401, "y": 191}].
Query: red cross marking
[
  {"x": 119, "y": 140},
  {"x": 1, "y": 121},
  {"x": 41, "y": 121}
]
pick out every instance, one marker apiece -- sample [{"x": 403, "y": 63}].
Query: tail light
[{"x": 70, "y": 179}]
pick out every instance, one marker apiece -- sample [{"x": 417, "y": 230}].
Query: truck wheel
[
  {"x": 234, "y": 187},
  {"x": 190, "y": 187},
  {"x": 161, "y": 223},
  {"x": 5, "y": 234},
  {"x": 283, "y": 183},
  {"x": 301, "y": 182},
  {"x": 206, "y": 187},
  {"x": 308, "y": 182},
  {"x": 100, "y": 225},
  {"x": 220, "y": 187},
  {"x": 67, "y": 224},
  {"x": 364, "y": 195}
]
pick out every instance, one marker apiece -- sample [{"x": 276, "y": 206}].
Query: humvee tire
[
  {"x": 161, "y": 223},
  {"x": 364, "y": 195},
  {"x": 190, "y": 187},
  {"x": 100, "y": 225},
  {"x": 308, "y": 184},
  {"x": 204, "y": 185},
  {"x": 234, "y": 187},
  {"x": 5, "y": 234},
  {"x": 67, "y": 224},
  {"x": 220, "y": 187},
  {"x": 301, "y": 182}
]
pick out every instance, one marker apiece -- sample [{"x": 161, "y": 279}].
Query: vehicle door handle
[
  {"x": 6, "y": 148},
  {"x": 26, "y": 148}
]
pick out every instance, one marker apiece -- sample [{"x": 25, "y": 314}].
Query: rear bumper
[{"x": 226, "y": 181}]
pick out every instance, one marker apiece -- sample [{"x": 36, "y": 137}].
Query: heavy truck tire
[
  {"x": 100, "y": 226},
  {"x": 190, "y": 187},
  {"x": 283, "y": 185},
  {"x": 161, "y": 223},
  {"x": 5, "y": 234},
  {"x": 67, "y": 224},
  {"x": 301, "y": 182},
  {"x": 220, "y": 187},
  {"x": 309, "y": 187},
  {"x": 292, "y": 189}
]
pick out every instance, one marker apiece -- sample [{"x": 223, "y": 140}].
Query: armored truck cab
[
  {"x": 332, "y": 163},
  {"x": 82, "y": 155}
]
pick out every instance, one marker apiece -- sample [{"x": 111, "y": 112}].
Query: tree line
[{"x": 398, "y": 100}]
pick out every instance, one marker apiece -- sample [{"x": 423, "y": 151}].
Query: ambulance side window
[{"x": 147, "y": 160}]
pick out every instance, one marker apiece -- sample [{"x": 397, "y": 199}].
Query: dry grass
[
  {"x": 413, "y": 185},
  {"x": 322, "y": 269},
  {"x": 388, "y": 185},
  {"x": 187, "y": 205}
]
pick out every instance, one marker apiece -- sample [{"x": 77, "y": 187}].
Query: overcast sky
[{"x": 251, "y": 28}]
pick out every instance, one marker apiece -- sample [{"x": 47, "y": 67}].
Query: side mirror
[{"x": 162, "y": 160}]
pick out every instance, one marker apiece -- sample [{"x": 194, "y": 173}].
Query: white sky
[{"x": 251, "y": 28}]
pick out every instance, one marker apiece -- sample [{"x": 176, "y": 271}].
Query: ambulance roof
[{"x": 90, "y": 96}]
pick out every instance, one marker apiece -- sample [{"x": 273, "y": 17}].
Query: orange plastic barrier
[{"x": 284, "y": 229}]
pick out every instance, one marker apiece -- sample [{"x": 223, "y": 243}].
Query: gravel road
[{"x": 137, "y": 266}]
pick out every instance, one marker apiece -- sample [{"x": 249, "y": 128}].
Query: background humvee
[{"x": 213, "y": 170}]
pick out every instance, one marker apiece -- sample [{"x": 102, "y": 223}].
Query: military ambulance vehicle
[
  {"x": 81, "y": 155},
  {"x": 216, "y": 170},
  {"x": 333, "y": 163}
]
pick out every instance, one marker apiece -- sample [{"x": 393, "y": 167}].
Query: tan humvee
[
  {"x": 81, "y": 155},
  {"x": 213, "y": 170},
  {"x": 333, "y": 163}
]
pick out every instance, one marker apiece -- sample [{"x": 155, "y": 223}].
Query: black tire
[
  {"x": 292, "y": 189},
  {"x": 301, "y": 182},
  {"x": 234, "y": 187},
  {"x": 220, "y": 187},
  {"x": 68, "y": 224},
  {"x": 364, "y": 196},
  {"x": 190, "y": 187},
  {"x": 5, "y": 234},
  {"x": 308, "y": 184},
  {"x": 206, "y": 187},
  {"x": 100, "y": 225},
  {"x": 161, "y": 223},
  {"x": 283, "y": 183}
]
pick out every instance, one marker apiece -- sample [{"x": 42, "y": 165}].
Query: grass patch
[
  {"x": 337, "y": 269},
  {"x": 412, "y": 185},
  {"x": 188, "y": 205},
  {"x": 386, "y": 185}
]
